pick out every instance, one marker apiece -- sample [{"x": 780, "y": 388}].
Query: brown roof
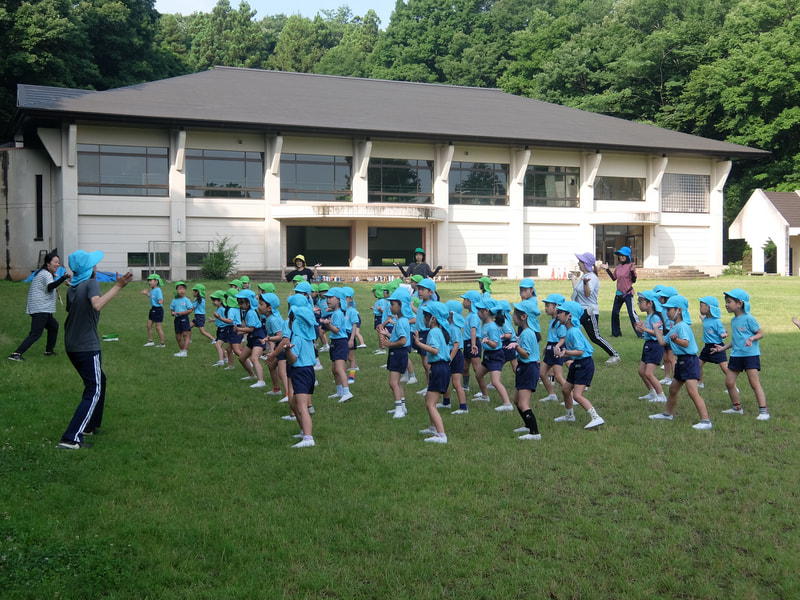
[
  {"x": 788, "y": 204},
  {"x": 275, "y": 101}
]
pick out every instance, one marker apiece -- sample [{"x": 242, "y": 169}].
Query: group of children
[{"x": 410, "y": 319}]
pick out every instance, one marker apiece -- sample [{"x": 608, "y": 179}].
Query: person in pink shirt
[{"x": 625, "y": 276}]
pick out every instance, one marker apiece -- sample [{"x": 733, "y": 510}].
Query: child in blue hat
[
  {"x": 337, "y": 326},
  {"x": 472, "y": 335},
  {"x": 687, "y": 365},
  {"x": 527, "y": 369},
  {"x": 492, "y": 319},
  {"x": 652, "y": 350},
  {"x": 745, "y": 352},
  {"x": 395, "y": 336},
  {"x": 437, "y": 348},
  {"x": 455, "y": 328},
  {"x": 714, "y": 334},
  {"x": 553, "y": 365}
]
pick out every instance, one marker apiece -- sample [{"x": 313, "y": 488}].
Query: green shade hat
[
  {"x": 199, "y": 287},
  {"x": 267, "y": 288}
]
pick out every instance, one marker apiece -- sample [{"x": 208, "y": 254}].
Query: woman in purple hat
[{"x": 584, "y": 291}]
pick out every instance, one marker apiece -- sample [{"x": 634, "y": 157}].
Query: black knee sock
[{"x": 530, "y": 422}]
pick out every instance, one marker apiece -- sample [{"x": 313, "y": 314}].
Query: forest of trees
[{"x": 723, "y": 69}]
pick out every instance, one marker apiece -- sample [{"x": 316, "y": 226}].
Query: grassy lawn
[{"x": 192, "y": 491}]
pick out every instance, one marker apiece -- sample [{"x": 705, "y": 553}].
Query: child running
[
  {"x": 652, "y": 351},
  {"x": 472, "y": 331},
  {"x": 252, "y": 327},
  {"x": 156, "y": 314},
  {"x": 199, "y": 307},
  {"x": 335, "y": 324},
  {"x": 437, "y": 347},
  {"x": 714, "y": 335},
  {"x": 222, "y": 324},
  {"x": 455, "y": 329},
  {"x": 745, "y": 352},
  {"x": 581, "y": 371},
  {"x": 553, "y": 365},
  {"x": 398, "y": 342},
  {"x": 687, "y": 365},
  {"x": 300, "y": 358},
  {"x": 233, "y": 315},
  {"x": 493, "y": 356},
  {"x": 181, "y": 308},
  {"x": 527, "y": 371}
]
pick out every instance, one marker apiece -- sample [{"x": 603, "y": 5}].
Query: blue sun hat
[
  {"x": 427, "y": 283},
  {"x": 304, "y": 320},
  {"x": 737, "y": 294},
  {"x": 678, "y": 301},
  {"x": 505, "y": 306},
  {"x": 438, "y": 310},
  {"x": 713, "y": 306},
  {"x": 666, "y": 291},
  {"x": 401, "y": 295},
  {"x": 528, "y": 283},
  {"x": 529, "y": 307},
  {"x": 250, "y": 295},
  {"x": 272, "y": 300},
  {"x": 624, "y": 251},
  {"x": 574, "y": 309},
  {"x": 82, "y": 264},
  {"x": 455, "y": 307},
  {"x": 653, "y": 297},
  {"x": 555, "y": 299},
  {"x": 474, "y": 296},
  {"x": 488, "y": 304},
  {"x": 303, "y": 287}
]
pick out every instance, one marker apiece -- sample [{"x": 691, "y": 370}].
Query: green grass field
[{"x": 192, "y": 491}]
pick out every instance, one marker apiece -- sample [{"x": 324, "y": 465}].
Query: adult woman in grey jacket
[{"x": 41, "y": 306}]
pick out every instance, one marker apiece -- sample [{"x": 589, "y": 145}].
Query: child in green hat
[
  {"x": 156, "y": 314},
  {"x": 199, "y": 305},
  {"x": 181, "y": 308}
]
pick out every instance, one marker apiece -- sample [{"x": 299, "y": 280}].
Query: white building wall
[{"x": 684, "y": 246}]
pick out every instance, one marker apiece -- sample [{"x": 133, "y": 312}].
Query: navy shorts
[
  {"x": 199, "y": 320},
  {"x": 581, "y": 371},
  {"x": 377, "y": 320},
  {"x": 550, "y": 357},
  {"x": 339, "y": 349},
  {"x": 254, "y": 341},
  {"x": 302, "y": 379},
  {"x": 468, "y": 355},
  {"x": 439, "y": 377},
  {"x": 509, "y": 354},
  {"x": 397, "y": 361},
  {"x": 716, "y": 357},
  {"x": 494, "y": 360},
  {"x": 527, "y": 375},
  {"x": 652, "y": 352},
  {"x": 223, "y": 334},
  {"x": 182, "y": 324},
  {"x": 423, "y": 337},
  {"x": 687, "y": 366},
  {"x": 156, "y": 314},
  {"x": 281, "y": 356},
  {"x": 457, "y": 363},
  {"x": 744, "y": 363},
  {"x": 234, "y": 338}
]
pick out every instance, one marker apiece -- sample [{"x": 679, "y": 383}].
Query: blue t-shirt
[
  {"x": 491, "y": 331},
  {"x": 684, "y": 332},
  {"x": 322, "y": 304},
  {"x": 304, "y": 351},
  {"x": 402, "y": 329},
  {"x": 156, "y": 297},
  {"x": 352, "y": 317},
  {"x": 508, "y": 327},
  {"x": 274, "y": 325},
  {"x": 456, "y": 335},
  {"x": 338, "y": 320},
  {"x": 379, "y": 308},
  {"x": 180, "y": 305},
  {"x": 235, "y": 315},
  {"x": 251, "y": 319},
  {"x": 575, "y": 340},
  {"x": 436, "y": 340},
  {"x": 199, "y": 306},
  {"x": 473, "y": 322},
  {"x": 653, "y": 321},
  {"x": 712, "y": 330},
  {"x": 420, "y": 324},
  {"x": 220, "y": 312},
  {"x": 555, "y": 331},
  {"x": 742, "y": 327},
  {"x": 527, "y": 341}
]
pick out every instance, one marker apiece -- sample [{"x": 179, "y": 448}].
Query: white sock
[
  {"x": 570, "y": 412},
  {"x": 346, "y": 390},
  {"x": 593, "y": 413},
  {"x": 339, "y": 390}
]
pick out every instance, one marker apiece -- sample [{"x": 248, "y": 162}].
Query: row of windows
[
  {"x": 143, "y": 171},
  {"x": 488, "y": 260}
]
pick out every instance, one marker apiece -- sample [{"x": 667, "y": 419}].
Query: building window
[
  {"x": 619, "y": 188},
  {"x": 492, "y": 259},
  {"x": 478, "y": 183},
  {"x": 224, "y": 174},
  {"x": 327, "y": 245},
  {"x": 123, "y": 170},
  {"x": 685, "y": 193},
  {"x": 401, "y": 181},
  {"x": 316, "y": 177},
  {"x": 610, "y": 238},
  {"x": 140, "y": 259},
  {"x": 552, "y": 186},
  {"x": 534, "y": 259}
]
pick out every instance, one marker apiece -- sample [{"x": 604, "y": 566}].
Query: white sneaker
[
  {"x": 596, "y": 422},
  {"x": 229, "y": 368},
  {"x": 404, "y": 378},
  {"x": 380, "y": 351},
  {"x": 701, "y": 386},
  {"x": 284, "y": 399},
  {"x": 422, "y": 392},
  {"x": 219, "y": 363},
  {"x": 289, "y": 418},
  {"x": 647, "y": 396},
  {"x": 531, "y": 436},
  {"x": 614, "y": 360},
  {"x": 299, "y": 436},
  {"x": 361, "y": 346},
  {"x": 460, "y": 411},
  {"x": 762, "y": 417},
  {"x": 309, "y": 443},
  {"x": 660, "y": 398},
  {"x": 181, "y": 354},
  {"x": 443, "y": 405},
  {"x": 259, "y": 384},
  {"x": 522, "y": 430},
  {"x": 504, "y": 407},
  {"x": 161, "y": 345},
  {"x": 248, "y": 377},
  {"x": 345, "y": 397},
  {"x": 428, "y": 430},
  {"x": 274, "y": 393},
  {"x": 149, "y": 344},
  {"x": 311, "y": 410},
  {"x": 480, "y": 398},
  {"x": 400, "y": 412},
  {"x": 666, "y": 381},
  {"x": 550, "y": 398},
  {"x": 733, "y": 411},
  {"x": 325, "y": 348},
  {"x": 437, "y": 439},
  {"x": 336, "y": 395},
  {"x": 491, "y": 387},
  {"x": 318, "y": 367},
  {"x": 412, "y": 380},
  {"x": 661, "y": 417},
  {"x": 702, "y": 425},
  {"x": 565, "y": 419}
]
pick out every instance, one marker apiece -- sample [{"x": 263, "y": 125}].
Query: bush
[
  {"x": 220, "y": 262},
  {"x": 733, "y": 268}
]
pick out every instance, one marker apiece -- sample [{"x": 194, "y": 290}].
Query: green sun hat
[
  {"x": 219, "y": 295},
  {"x": 267, "y": 288},
  {"x": 177, "y": 283},
  {"x": 157, "y": 277},
  {"x": 236, "y": 282},
  {"x": 199, "y": 287}
]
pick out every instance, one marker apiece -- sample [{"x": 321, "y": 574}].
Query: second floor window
[
  {"x": 123, "y": 170},
  {"x": 224, "y": 174},
  {"x": 552, "y": 186},
  {"x": 393, "y": 180},
  {"x": 316, "y": 177},
  {"x": 619, "y": 188},
  {"x": 478, "y": 183}
]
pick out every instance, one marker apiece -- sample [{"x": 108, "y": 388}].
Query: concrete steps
[
  {"x": 673, "y": 272},
  {"x": 352, "y": 275}
]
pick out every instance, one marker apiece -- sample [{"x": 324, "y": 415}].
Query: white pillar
[
  {"x": 516, "y": 214},
  {"x": 177, "y": 206},
  {"x": 274, "y": 243},
  {"x": 66, "y": 213},
  {"x": 443, "y": 157}
]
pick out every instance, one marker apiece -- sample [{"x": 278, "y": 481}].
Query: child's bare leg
[
  {"x": 340, "y": 373},
  {"x": 522, "y": 398},
  {"x": 498, "y": 384},
  {"x": 699, "y": 381},
  {"x": 255, "y": 353},
  {"x": 149, "y": 330},
  {"x": 300, "y": 409},
  {"x": 577, "y": 395},
  {"x": 394, "y": 385},
  {"x": 220, "y": 350},
  {"x": 544, "y": 376},
  {"x": 285, "y": 378},
  {"x": 755, "y": 383},
  {"x": 699, "y": 403},
  {"x": 566, "y": 391},
  {"x": 160, "y": 333},
  {"x": 206, "y": 334},
  {"x": 455, "y": 380},
  {"x": 480, "y": 373},
  {"x": 653, "y": 382},
  {"x": 243, "y": 360},
  {"x": 730, "y": 383},
  {"x": 431, "y": 398},
  {"x": 672, "y": 401}
]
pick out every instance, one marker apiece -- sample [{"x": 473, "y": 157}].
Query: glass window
[
  {"x": 123, "y": 170},
  {"x": 224, "y": 174},
  {"x": 327, "y": 245},
  {"x": 685, "y": 193},
  {"x": 609, "y": 238},
  {"x": 404, "y": 181},
  {"x": 140, "y": 259},
  {"x": 478, "y": 183},
  {"x": 552, "y": 186},
  {"x": 492, "y": 259},
  {"x": 619, "y": 188},
  {"x": 534, "y": 259},
  {"x": 316, "y": 177}
]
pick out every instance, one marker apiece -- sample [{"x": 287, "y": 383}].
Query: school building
[{"x": 352, "y": 173}]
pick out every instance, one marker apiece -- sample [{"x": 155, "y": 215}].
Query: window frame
[
  {"x": 534, "y": 171},
  {"x": 156, "y": 154},
  {"x": 376, "y": 196},
  {"x": 477, "y": 199},
  {"x": 300, "y": 194},
  {"x": 245, "y": 192},
  {"x": 614, "y": 178}
]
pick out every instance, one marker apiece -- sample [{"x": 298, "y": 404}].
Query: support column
[
  {"x": 442, "y": 158},
  {"x": 177, "y": 204},
  {"x": 360, "y": 258},
  {"x": 719, "y": 175},
  {"x": 274, "y": 242},
  {"x": 589, "y": 169},
  {"x": 66, "y": 213},
  {"x": 516, "y": 214}
]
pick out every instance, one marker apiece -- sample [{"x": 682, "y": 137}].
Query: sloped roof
[
  {"x": 788, "y": 204},
  {"x": 294, "y": 102}
]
